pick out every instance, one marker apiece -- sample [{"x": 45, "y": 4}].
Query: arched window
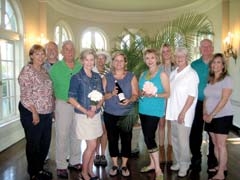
[
  {"x": 94, "y": 38},
  {"x": 62, "y": 33},
  {"x": 131, "y": 40},
  {"x": 10, "y": 61}
]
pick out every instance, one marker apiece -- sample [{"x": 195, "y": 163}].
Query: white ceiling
[
  {"x": 129, "y": 11},
  {"x": 131, "y": 5}
]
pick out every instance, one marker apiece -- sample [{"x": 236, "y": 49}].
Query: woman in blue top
[
  {"x": 87, "y": 118},
  {"x": 115, "y": 111},
  {"x": 154, "y": 86}
]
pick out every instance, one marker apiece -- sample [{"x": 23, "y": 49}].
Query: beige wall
[
  {"x": 79, "y": 24},
  {"x": 234, "y": 21}
]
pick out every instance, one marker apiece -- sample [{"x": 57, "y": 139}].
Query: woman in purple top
[
  {"x": 217, "y": 111},
  {"x": 36, "y": 107}
]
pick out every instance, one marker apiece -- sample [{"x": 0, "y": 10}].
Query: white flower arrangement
[
  {"x": 149, "y": 88},
  {"x": 95, "y": 96}
]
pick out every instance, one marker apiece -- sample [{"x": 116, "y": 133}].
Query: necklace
[{"x": 151, "y": 74}]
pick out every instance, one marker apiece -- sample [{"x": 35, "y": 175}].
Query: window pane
[
  {"x": 61, "y": 34},
  {"x": 8, "y": 107},
  {"x": 7, "y": 89},
  {"x": 86, "y": 40},
  {"x": 7, "y": 70},
  {"x": 138, "y": 42},
  {"x": 64, "y": 35},
  {"x": 99, "y": 41},
  {"x": 10, "y": 18},
  {"x": 57, "y": 34},
  {"x": 125, "y": 42},
  {"x": 179, "y": 40},
  {"x": 6, "y": 51}
]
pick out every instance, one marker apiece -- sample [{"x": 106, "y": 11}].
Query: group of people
[{"x": 84, "y": 99}]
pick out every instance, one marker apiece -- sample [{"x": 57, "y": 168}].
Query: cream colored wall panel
[{"x": 10, "y": 134}]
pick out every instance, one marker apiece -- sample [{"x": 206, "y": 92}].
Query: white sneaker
[
  {"x": 175, "y": 167},
  {"x": 183, "y": 171}
]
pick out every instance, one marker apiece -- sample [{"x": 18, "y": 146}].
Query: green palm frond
[{"x": 181, "y": 31}]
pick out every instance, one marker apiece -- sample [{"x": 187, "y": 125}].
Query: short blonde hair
[
  {"x": 86, "y": 52},
  {"x": 154, "y": 51}
]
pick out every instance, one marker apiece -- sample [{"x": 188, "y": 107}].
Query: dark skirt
[{"x": 220, "y": 125}]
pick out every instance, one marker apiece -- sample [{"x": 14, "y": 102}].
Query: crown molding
[{"x": 103, "y": 16}]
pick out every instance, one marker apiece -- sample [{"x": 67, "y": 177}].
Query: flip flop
[{"x": 146, "y": 169}]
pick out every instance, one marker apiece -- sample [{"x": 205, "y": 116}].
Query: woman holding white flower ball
[
  {"x": 154, "y": 86},
  {"x": 181, "y": 108},
  {"x": 86, "y": 95}
]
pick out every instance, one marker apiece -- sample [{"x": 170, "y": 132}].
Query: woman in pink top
[{"x": 36, "y": 107}]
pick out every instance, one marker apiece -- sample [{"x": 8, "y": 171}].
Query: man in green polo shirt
[{"x": 66, "y": 145}]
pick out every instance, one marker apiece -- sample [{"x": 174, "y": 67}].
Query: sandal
[
  {"x": 84, "y": 176},
  {"x": 113, "y": 171},
  {"x": 146, "y": 169},
  {"x": 212, "y": 170},
  {"x": 159, "y": 177},
  {"x": 215, "y": 170},
  {"x": 216, "y": 179},
  {"x": 125, "y": 172}
]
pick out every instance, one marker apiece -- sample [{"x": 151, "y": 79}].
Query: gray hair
[{"x": 66, "y": 43}]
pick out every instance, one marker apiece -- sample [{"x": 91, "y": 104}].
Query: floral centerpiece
[
  {"x": 149, "y": 88},
  {"x": 95, "y": 96}
]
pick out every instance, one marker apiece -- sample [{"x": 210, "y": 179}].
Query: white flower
[
  {"x": 95, "y": 96},
  {"x": 149, "y": 88}
]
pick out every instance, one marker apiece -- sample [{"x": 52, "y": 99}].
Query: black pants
[
  {"x": 149, "y": 126},
  {"x": 114, "y": 131},
  {"x": 196, "y": 140},
  {"x": 38, "y": 138}
]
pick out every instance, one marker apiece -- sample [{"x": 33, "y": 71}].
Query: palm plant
[{"x": 181, "y": 31}]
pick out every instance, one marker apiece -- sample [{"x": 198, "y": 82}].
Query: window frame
[{"x": 15, "y": 38}]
